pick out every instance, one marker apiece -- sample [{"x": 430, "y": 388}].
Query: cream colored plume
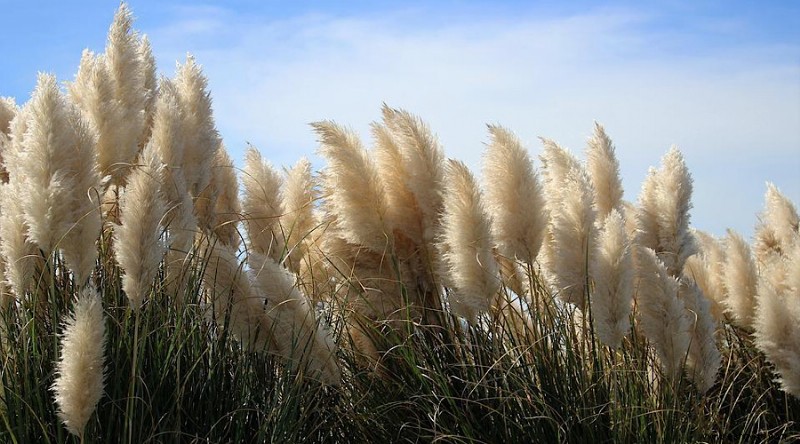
[
  {"x": 603, "y": 168},
  {"x": 299, "y": 337},
  {"x": 129, "y": 96},
  {"x": 705, "y": 268},
  {"x": 19, "y": 253},
  {"x": 777, "y": 231},
  {"x": 571, "y": 243},
  {"x": 513, "y": 197},
  {"x": 261, "y": 206},
  {"x": 227, "y": 208},
  {"x": 167, "y": 139},
  {"x": 661, "y": 315},
  {"x": 235, "y": 304},
  {"x": 778, "y": 317},
  {"x": 740, "y": 280},
  {"x": 423, "y": 163},
  {"x": 138, "y": 242},
  {"x": 470, "y": 269},
  {"x": 613, "y": 281},
  {"x": 353, "y": 188},
  {"x": 663, "y": 217},
  {"x": 61, "y": 182},
  {"x": 403, "y": 212},
  {"x": 148, "y": 64},
  {"x": 298, "y": 222},
  {"x": 200, "y": 137},
  {"x": 704, "y": 359},
  {"x": 78, "y": 385}
]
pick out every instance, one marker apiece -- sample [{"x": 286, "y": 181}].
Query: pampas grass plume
[
  {"x": 776, "y": 322},
  {"x": 470, "y": 267},
  {"x": 423, "y": 163},
  {"x": 704, "y": 359},
  {"x": 613, "y": 281},
  {"x": 603, "y": 168},
  {"x": 664, "y": 204},
  {"x": 661, "y": 316},
  {"x": 354, "y": 188},
  {"x": 138, "y": 245},
  {"x": 513, "y": 197},
  {"x": 78, "y": 386},
  {"x": 778, "y": 228},
  {"x": 298, "y": 336},
  {"x": 261, "y": 205},
  {"x": 740, "y": 280}
]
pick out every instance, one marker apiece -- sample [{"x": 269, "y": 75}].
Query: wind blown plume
[
  {"x": 661, "y": 316},
  {"x": 298, "y": 221},
  {"x": 60, "y": 179},
  {"x": 19, "y": 253},
  {"x": 402, "y": 210},
  {"x": 138, "y": 245},
  {"x": 778, "y": 228},
  {"x": 470, "y": 267},
  {"x": 78, "y": 386},
  {"x": 227, "y": 209},
  {"x": 613, "y": 281},
  {"x": 423, "y": 162},
  {"x": 261, "y": 205},
  {"x": 663, "y": 216},
  {"x": 705, "y": 268},
  {"x": 299, "y": 338},
  {"x": 513, "y": 197},
  {"x": 130, "y": 95},
  {"x": 777, "y": 319},
  {"x": 148, "y": 64},
  {"x": 704, "y": 359},
  {"x": 353, "y": 187},
  {"x": 740, "y": 280},
  {"x": 603, "y": 168},
  {"x": 201, "y": 140},
  {"x": 572, "y": 235},
  {"x": 234, "y": 302}
]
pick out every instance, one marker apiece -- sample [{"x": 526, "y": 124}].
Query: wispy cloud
[{"x": 733, "y": 109}]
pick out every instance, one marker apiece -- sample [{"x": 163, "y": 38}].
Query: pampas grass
[
  {"x": 661, "y": 315},
  {"x": 514, "y": 197},
  {"x": 740, "y": 277},
  {"x": 572, "y": 243},
  {"x": 298, "y": 222},
  {"x": 470, "y": 268},
  {"x": 776, "y": 322},
  {"x": 199, "y": 134},
  {"x": 777, "y": 230},
  {"x": 342, "y": 318},
  {"x": 299, "y": 338},
  {"x": 613, "y": 281},
  {"x": 139, "y": 245},
  {"x": 261, "y": 206},
  {"x": 60, "y": 181},
  {"x": 423, "y": 163},
  {"x": 353, "y": 188},
  {"x": 704, "y": 360},
  {"x": 78, "y": 386},
  {"x": 603, "y": 168},
  {"x": 664, "y": 204}
]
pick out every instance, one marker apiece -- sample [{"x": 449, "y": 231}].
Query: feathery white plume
[
  {"x": 78, "y": 386},
  {"x": 470, "y": 267},
  {"x": 603, "y": 168},
  {"x": 613, "y": 281}
]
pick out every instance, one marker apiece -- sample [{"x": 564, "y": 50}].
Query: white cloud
[{"x": 734, "y": 111}]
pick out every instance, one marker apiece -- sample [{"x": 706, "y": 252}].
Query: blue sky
[{"x": 721, "y": 80}]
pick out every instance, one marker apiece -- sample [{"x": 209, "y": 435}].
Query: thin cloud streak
[{"x": 735, "y": 112}]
